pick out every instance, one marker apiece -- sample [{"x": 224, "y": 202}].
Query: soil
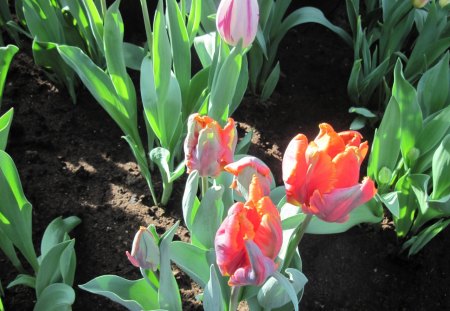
[{"x": 72, "y": 161}]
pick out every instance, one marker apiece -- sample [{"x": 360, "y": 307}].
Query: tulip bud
[
  {"x": 145, "y": 252},
  {"x": 384, "y": 175},
  {"x": 418, "y": 4},
  {"x": 443, "y": 3},
  {"x": 238, "y": 20}
]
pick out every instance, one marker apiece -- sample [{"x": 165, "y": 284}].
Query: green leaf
[
  {"x": 410, "y": 113},
  {"x": 208, "y": 218},
  {"x": 441, "y": 169},
  {"x": 23, "y": 279},
  {"x": 212, "y": 297},
  {"x": 310, "y": 15},
  {"x": 15, "y": 210},
  {"x": 244, "y": 144},
  {"x": 390, "y": 200},
  {"x": 271, "y": 83},
  {"x": 50, "y": 268},
  {"x": 7, "y": 246},
  {"x": 134, "y": 295},
  {"x": 416, "y": 243},
  {"x": 56, "y": 297},
  {"x": 168, "y": 293},
  {"x": 358, "y": 123},
  {"x": 115, "y": 60},
  {"x": 205, "y": 47},
  {"x": 194, "y": 18},
  {"x": 408, "y": 206},
  {"x": 225, "y": 85},
  {"x": 5, "y": 125},
  {"x": 100, "y": 86},
  {"x": 387, "y": 137},
  {"x": 419, "y": 185},
  {"x": 362, "y": 214},
  {"x": 180, "y": 44},
  {"x": 133, "y": 55},
  {"x": 193, "y": 260},
  {"x": 6, "y": 55},
  {"x": 278, "y": 291},
  {"x": 162, "y": 60},
  {"x": 56, "y": 232},
  {"x": 46, "y": 55},
  {"x": 433, "y": 87},
  {"x": 362, "y": 111},
  {"x": 190, "y": 202}
]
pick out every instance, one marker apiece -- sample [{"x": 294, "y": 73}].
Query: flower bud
[
  {"x": 145, "y": 252},
  {"x": 413, "y": 155},
  {"x": 236, "y": 20},
  {"x": 443, "y": 3},
  {"x": 384, "y": 175},
  {"x": 418, "y": 4}
]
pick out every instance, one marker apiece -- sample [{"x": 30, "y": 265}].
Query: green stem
[
  {"x": 167, "y": 191},
  {"x": 295, "y": 241},
  {"x": 204, "y": 186},
  {"x": 147, "y": 24},
  {"x": 234, "y": 298}
]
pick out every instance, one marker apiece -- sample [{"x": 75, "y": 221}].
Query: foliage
[
  {"x": 410, "y": 160},
  {"x": 384, "y": 31}
]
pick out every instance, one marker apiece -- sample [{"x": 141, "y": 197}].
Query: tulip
[
  {"x": 243, "y": 171},
  {"x": 238, "y": 20},
  {"x": 208, "y": 147},
  {"x": 322, "y": 176},
  {"x": 145, "y": 251},
  {"x": 418, "y": 4},
  {"x": 249, "y": 239}
]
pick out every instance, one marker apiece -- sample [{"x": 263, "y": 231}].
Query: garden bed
[{"x": 72, "y": 161}]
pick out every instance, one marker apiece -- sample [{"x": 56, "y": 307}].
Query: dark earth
[{"x": 72, "y": 161}]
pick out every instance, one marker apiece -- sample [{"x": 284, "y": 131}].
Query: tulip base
[
  {"x": 234, "y": 298},
  {"x": 295, "y": 241}
]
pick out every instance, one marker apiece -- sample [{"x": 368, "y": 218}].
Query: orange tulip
[
  {"x": 208, "y": 147},
  {"x": 249, "y": 239},
  {"x": 322, "y": 176}
]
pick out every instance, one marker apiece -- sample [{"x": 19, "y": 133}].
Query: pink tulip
[
  {"x": 249, "y": 239},
  {"x": 208, "y": 147},
  {"x": 144, "y": 252},
  {"x": 322, "y": 176},
  {"x": 238, "y": 20},
  {"x": 243, "y": 171}
]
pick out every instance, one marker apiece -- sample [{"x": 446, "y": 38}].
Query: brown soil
[{"x": 72, "y": 161}]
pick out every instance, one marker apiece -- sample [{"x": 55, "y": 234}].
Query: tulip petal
[
  {"x": 329, "y": 141},
  {"x": 347, "y": 166},
  {"x": 336, "y": 205},
  {"x": 294, "y": 169},
  {"x": 260, "y": 268}
]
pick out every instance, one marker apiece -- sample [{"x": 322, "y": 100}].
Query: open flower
[
  {"x": 322, "y": 176},
  {"x": 243, "y": 171},
  {"x": 249, "y": 239},
  {"x": 208, "y": 147},
  {"x": 236, "y": 20},
  {"x": 145, "y": 251}
]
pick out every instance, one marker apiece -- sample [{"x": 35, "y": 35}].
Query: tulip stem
[
  {"x": 295, "y": 241},
  {"x": 204, "y": 185},
  {"x": 234, "y": 298},
  {"x": 104, "y": 8}
]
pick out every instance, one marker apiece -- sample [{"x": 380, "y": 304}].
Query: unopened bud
[
  {"x": 443, "y": 3},
  {"x": 413, "y": 155},
  {"x": 145, "y": 251},
  {"x": 384, "y": 175},
  {"x": 418, "y": 4}
]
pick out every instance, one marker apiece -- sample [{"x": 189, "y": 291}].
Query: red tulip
[
  {"x": 322, "y": 176},
  {"x": 236, "y": 20},
  {"x": 243, "y": 171},
  {"x": 249, "y": 239},
  {"x": 208, "y": 147}
]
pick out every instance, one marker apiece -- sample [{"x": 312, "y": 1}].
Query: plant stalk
[
  {"x": 234, "y": 298},
  {"x": 104, "y": 8},
  {"x": 295, "y": 241},
  {"x": 204, "y": 186}
]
